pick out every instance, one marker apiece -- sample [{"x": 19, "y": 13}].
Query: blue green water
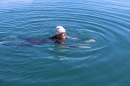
[{"x": 106, "y": 63}]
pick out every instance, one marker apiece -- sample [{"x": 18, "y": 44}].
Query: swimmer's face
[{"x": 62, "y": 35}]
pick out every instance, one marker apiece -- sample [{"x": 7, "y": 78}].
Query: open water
[{"x": 106, "y": 63}]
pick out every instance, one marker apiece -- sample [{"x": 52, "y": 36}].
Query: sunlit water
[{"x": 106, "y": 63}]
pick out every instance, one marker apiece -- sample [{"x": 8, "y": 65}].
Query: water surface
[{"x": 106, "y": 63}]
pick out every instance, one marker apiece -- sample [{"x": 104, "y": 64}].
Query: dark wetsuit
[{"x": 35, "y": 41}]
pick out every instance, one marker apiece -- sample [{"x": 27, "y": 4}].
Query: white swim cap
[{"x": 60, "y": 29}]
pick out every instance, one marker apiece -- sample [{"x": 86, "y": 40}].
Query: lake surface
[{"x": 106, "y": 63}]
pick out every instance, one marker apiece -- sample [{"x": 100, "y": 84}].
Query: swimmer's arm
[
  {"x": 78, "y": 46},
  {"x": 73, "y": 46},
  {"x": 90, "y": 40},
  {"x": 72, "y": 38}
]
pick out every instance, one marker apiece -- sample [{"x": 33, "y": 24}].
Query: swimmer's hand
[{"x": 90, "y": 40}]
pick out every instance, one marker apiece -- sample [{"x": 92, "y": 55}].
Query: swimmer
[
  {"x": 61, "y": 34},
  {"x": 58, "y": 38}
]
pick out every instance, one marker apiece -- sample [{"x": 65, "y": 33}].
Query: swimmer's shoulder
[{"x": 53, "y": 37}]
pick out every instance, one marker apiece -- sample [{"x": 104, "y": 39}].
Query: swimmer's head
[{"x": 59, "y": 30}]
